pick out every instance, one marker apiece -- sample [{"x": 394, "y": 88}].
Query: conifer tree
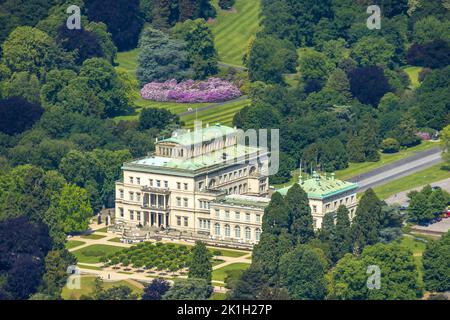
[
  {"x": 200, "y": 266},
  {"x": 300, "y": 217},
  {"x": 276, "y": 215},
  {"x": 366, "y": 224},
  {"x": 341, "y": 240}
]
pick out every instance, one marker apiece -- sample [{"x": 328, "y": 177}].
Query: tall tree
[
  {"x": 73, "y": 209},
  {"x": 18, "y": 115},
  {"x": 122, "y": 17},
  {"x": 200, "y": 47},
  {"x": 156, "y": 289},
  {"x": 302, "y": 272},
  {"x": 300, "y": 217},
  {"x": 398, "y": 275},
  {"x": 342, "y": 238},
  {"x": 200, "y": 266},
  {"x": 23, "y": 247},
  {"x": 366, "y": 223},
  {"x": 276, "y": 215},
  {"x": 435, "y": 262},
  {"x": 189, "y": 289}
]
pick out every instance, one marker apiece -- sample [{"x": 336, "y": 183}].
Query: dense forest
[{"x": 353, "y": 97}]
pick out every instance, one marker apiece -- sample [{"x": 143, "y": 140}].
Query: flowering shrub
[{"x": 190, "y": 91}]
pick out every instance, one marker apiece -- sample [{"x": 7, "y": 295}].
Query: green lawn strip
[
  {"x": 220, "y": 274},
  {"x": 118, "y": 240},
  {"x": 355, "y": 169},
  {"x": 87, "y": 288},
  {"x": 103, "y": 230},
  {"x": 93, "y": 236},
  {"x": 93, "y": 253},
  {"x": 128, "y": 60},
  {"x": 410, "y": 242},
  {"x": 85, "y": 266},
  {"x": 413, "y": 73},
  {"x": 420, "y": 178},
  {"x": 222, "y": 114},
  {"x": 232, "y": 29},
  {"x": 73, "y": 244},
  {"x": 417, "y": 247}
]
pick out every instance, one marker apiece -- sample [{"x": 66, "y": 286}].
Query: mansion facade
[{"x": 206, "y": 183}]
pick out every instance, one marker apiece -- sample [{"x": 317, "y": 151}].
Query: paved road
[
  {"x": 212, "y": 106},
  {"x": 398, "y": 169}
]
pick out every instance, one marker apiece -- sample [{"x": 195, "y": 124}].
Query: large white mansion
[{"x": 205, "y": 183}]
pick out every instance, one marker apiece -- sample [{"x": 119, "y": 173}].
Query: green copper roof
[
  {"x": 244, "y": 201},
  {"x": 191, "y": 164},
  {"x": 319, "y": 187},
  {"x": 200, "y": 135}
]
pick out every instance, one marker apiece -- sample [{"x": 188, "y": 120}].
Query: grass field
[
  {"x": 87, "y": 288},
  {"x": 355, "y": 169},
  {"x": 432, "y": 174},
  {"x": 93, "y": 236},
  {"x": 233, "y": 29},
  {"x": 220, "y": 274},
  {"x": 417, "y": 247},
  {"x": 93, "y": 253},
  {"x": 222, "y": 114},
  {"x": 73, "y": 244},
  {"x": 413, "y": 73}
]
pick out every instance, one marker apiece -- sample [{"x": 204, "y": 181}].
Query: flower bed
[{"x": 190, "y": 91}]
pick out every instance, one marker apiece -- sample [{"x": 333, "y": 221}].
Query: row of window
[
  {"x": 159, "y": 183},
  {"x": 236, "y": 232},
  {"x": 131, "y": 213},
  {"x": 237, "y": 216},
  {"x": 233, "y": 175},
  {"x": 328, "y": 206},
  {"x": 242, "y": 188}
]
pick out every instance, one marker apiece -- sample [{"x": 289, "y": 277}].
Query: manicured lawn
[
  {"x": 93, "y": 253},
  {"x": 229, "y": 253},
  {"x": 93, "y": 236},
  {"x": 73, "y": 244},
  {"x": 85, "y": 266},
  {"x": 233, "y": 29},
  {"x": 128, "y": 60},
  {"x": 115, "y": 240},
  {"x": 413, "y": 73},
  {"x": 220, "y": 274},
  {"x": 223, "y": 114},
  {"x": 87, "y": 288},
  {"x": 432, "y": 174},
  {"x": 103, "y": 230}
]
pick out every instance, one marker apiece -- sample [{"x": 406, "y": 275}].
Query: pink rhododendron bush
[{"x": 190, "y": 91}]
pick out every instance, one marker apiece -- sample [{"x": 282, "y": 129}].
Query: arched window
[
  {"x": 217, "y": 229},
  {"x": 237, "y": 232},
  {"x": 248, "y": 233},
  {"x": 258, "y": 234},
  {"x": 227, "y": 230}
]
